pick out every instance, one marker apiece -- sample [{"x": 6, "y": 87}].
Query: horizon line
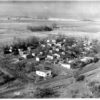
[{"x": 45, "y": 0}]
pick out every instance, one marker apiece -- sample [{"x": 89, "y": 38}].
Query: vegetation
[
  {"x": 74, "y": 93},
  {"x": 80, "y": 78},
  {"x": 39, "y": 28},
  {"x": 95, "y": 88},
  {"x": 46, "y": 93}
]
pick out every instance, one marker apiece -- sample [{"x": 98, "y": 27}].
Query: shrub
[
  {"x": 74, "y": 93},
  {"x": 96, "y": 59},
  {"x": 39, "y": 28},
  {"x": 45, "y": 93},
  {"x": 33, "y": 41},
  {"x": 56, "y": 70},
  {"x": 5, "y": 62},
  {"x": 95, "y": 88},
  {"x": 80, "y": 78},
  {"x": 5, "y": 49},
  {"x": 20, "y": 66},
  {"x": 83, "y": 64},
  {"x": 20, "y": 43},
  {"x": 86, "y": 95},
  {"x": 30, "y": 68}
]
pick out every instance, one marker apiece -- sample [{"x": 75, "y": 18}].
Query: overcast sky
[
  {"x": 49, "y": 0},
  {"x": 76, "y": 10}
]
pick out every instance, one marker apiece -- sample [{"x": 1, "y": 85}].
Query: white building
[
  {"x": 86, "y": 59},
  {"x": 43, "y": 73},
  {"x": 49, "y": 57},
  {"x": 68, "y": 66}
]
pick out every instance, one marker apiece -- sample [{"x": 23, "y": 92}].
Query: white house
[
  {"x": 64, "y": 40},
  {"x": 49, "y": 57},
  {"x": 37, "y": 59},
  {"x": 85, "y": 59},
  {"x": 57, "y": 55},
  {"x": 70, "y": 61},
  {"x": 58, "y": 44},
  {"x": 17, "y": 93},
  {"x": 21, "y": 53},
  {"x": 43, "y": 45},
  {"x": 74, "y": 45},
  {"x": 41, "y": 53},
  {"x": 33, "y": 54},
  {"x": 57, "y": 49},
  {"x": 53, "y": 41},
  {"x": 48, "y": 41},
  {"x": 68, "y": 66},
  {"x": 49, "y": 44},
  {"x": 50, "y": 51},
  {"x": 63, "y": 53},
  {"x": 43, "y": 73},
  {"x": 10, "y": 49}
]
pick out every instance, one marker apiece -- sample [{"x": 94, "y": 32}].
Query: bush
[
  {"x": 96, "y": 60},
  {"x": 75, "y": 93},
  {"x": 83, "y": 64},
  {"x": 5, "y": 62},
  {"x": 33, "y": 41},
  {"x": 80, "y": 78},
  {"x": 45, "y": 93},
  {"x": 56, "y": 70},
  {"x": 39, "y": 28},
  {"x": 95, "y": 88},
  {"x": 20, "y": 66},
  {"x": 20, "y": 43},
  {"x": 30, "y": 68}
]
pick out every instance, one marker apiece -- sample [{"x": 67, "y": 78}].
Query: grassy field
[{"x": 11, "y": 30}]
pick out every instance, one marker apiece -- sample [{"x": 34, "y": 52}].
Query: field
[{"x": 11, "y": 30}]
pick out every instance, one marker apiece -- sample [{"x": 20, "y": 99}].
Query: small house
[
  {"x": 48, "y": 41},
  {"x": 57, "y": 55},
  {"x": 50, "y": 57},
  {"x": 53, "y": 41},
  {"x": 37, "y": 59},
  {"x": 43, "y": 73},
  {"x": 68, "y": 66},
  {"x": 86, "y": 59}
]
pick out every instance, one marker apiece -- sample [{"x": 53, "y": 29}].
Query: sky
[
  {"x": 49, "y": 0},
  {"x": 74, "y": 9}
]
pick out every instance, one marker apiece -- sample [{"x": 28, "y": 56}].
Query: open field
[{"x": 11, "y": 30}]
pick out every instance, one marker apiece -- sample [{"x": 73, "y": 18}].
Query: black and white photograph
[{"x": 49, "y": 49}]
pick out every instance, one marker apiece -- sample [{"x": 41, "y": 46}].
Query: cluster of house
[{"x": 57, "y": 51}]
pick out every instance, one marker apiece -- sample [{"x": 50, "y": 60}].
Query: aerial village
[{"x": 41, "y": 60}]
